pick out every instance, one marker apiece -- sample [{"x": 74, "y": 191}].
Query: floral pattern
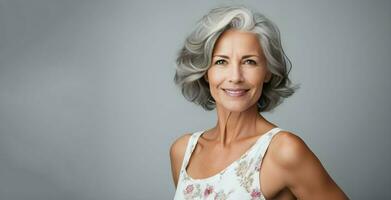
[
  {"x": 193, "y": 191},
  {"x": 238, "y": 181},
  {"x": 208, "y": 190},
  {"x": 255, "y": 194},
  {"x": 245, "y": 174},
  {"x": 221, "y": 195}
]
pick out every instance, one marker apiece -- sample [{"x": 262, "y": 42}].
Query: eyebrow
[{"x": 243, "y": 57}]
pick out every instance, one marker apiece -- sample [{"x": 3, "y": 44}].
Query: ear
[
  {"x": 268, "y": 77},
  {"x": 206, "y": 77}
]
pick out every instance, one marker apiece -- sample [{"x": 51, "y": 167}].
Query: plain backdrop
[{"x": 89, "y": 109}]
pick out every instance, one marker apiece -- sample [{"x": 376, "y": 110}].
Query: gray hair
[{"x": 194, "y": 58}]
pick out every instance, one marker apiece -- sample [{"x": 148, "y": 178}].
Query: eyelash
[{"x": 253, "y": 62}]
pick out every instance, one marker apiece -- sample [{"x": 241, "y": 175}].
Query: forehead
[{"x": 236, "y": 40}]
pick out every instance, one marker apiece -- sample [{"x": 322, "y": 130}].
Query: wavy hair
[{"x": 194, "y": 58}]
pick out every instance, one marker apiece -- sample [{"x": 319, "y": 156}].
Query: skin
[{"x": 290, "y": 170}]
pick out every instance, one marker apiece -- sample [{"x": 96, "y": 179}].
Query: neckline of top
[{"x": 231, "y": 164}]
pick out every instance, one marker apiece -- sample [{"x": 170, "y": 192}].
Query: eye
[
  {"x": 219, "y": 62},
  {"x": 251, "y": 62}
]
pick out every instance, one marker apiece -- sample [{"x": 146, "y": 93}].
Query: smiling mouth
[{"x": 236, "y": 93}]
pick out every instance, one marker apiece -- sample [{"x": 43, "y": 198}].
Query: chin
[{"x": 236, "y": 107}]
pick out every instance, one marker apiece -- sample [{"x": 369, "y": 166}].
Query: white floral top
[{"x": 238, "y": 181}]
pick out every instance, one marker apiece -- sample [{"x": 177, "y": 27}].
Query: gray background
[{"x": 88, "y": 108}]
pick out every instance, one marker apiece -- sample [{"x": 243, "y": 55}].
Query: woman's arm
[
  {"x": 303, "y": 173},
  {"x": 177, "y": 153}
]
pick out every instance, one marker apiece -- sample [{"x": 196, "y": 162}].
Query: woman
[{"x": 233, "y": 61}]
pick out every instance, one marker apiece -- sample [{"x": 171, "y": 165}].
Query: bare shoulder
[
  {"x": 289, "y": 150},
  {"x": 301, "y": 170},
  {"x": 178, "y": 147},
  {"x": 177, "y": 153}
]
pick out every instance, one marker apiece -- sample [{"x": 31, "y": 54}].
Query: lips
[
  {"x": 236, "y": 92},
  {"x": 238, "y": 89}
]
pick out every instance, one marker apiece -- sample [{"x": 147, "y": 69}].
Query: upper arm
[
  {"x": 177, "y": 152},
  {"x": 303, "y": 172}
]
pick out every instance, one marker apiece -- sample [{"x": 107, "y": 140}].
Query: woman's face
[{"x": 238, "y": 70}]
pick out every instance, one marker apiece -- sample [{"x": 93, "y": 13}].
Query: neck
[{"x": 232, "y": 126}]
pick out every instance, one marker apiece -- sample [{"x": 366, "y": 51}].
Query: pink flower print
[
  {"x": 208, "y": 190},
  {"x": 189, "y": 189},
  {"x": 255, "y": 194}
]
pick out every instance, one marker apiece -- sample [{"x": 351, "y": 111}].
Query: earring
[{"x": 261, "y": 103}]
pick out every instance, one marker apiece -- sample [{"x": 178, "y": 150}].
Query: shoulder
[
  {"x": 178, "y": 147},
  {"x": 180, "y": 143},
  {"x": 301, "y": 170},
  {"x": 289, "y": 150},
  {"x": 177, "y": 153}
]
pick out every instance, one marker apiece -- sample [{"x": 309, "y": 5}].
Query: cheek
[
  {"x": 215, "y": 77},
  {"x": 256, "y": 77}
]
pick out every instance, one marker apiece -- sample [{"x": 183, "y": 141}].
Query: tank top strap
[
  {"x": 190, "y": 147},
  {"x": 262, "y": 146},
  {"x": 267, "y": 141}
]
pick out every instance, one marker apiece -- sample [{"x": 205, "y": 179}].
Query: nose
[{"x": 236, "y": 74}]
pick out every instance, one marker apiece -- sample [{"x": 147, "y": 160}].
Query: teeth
[{"x": 236, "y": 92}]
